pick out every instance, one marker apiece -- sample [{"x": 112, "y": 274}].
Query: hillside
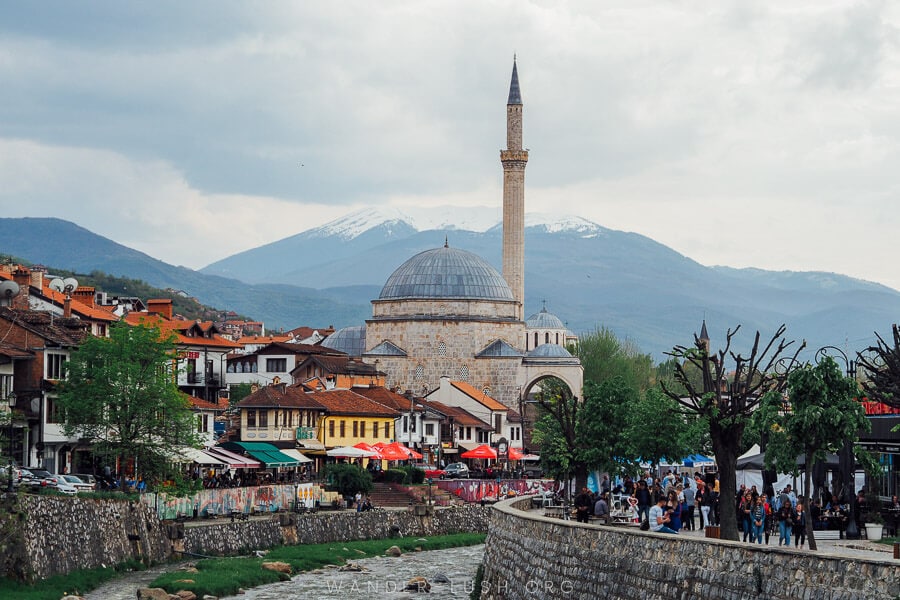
[{"x": 588, "y": 275}]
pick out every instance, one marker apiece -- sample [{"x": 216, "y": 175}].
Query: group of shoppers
[{"x": 760, "y": 514}]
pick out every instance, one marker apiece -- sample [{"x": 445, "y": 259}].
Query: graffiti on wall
[
  {"x": 476, "y": 490},
  {"x": 224, "y": 501}
]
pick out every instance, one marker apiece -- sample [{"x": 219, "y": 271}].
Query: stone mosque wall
[{"x": 531, "y": 556}]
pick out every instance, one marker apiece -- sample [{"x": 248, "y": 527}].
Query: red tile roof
[
  {"x": 460, "y": 416},
  {"x": 384, "y": 396},
  {"x": 479, "y": 396},
  {"x": 347, "y": 402},
  {"x": 280, "y": 395}
]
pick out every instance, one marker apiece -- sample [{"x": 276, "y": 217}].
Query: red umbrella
[
  {"x": 515, "y": 453},
  {"x": 482, "y": 451},
  {"x": 410, "y": 452},
  {"x": 365, "y": 446},
  {"x": 391, "y": 452}
]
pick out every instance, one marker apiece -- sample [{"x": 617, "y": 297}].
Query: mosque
[{"x": 447, "y": 312}]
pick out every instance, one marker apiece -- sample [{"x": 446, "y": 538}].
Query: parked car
[
  {"x": 4, "y": 476},
  {"x": 456, "y": 470},
  {"x": 432, "y": 471},
  {"x": 39, "y": 478},
  {"x": 76, "y": 481},
  {"x": 64, "y": 486},
  {"x": 87, "y": 478}
]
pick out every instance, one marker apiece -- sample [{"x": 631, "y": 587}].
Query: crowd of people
[{"x": 680, "y": 501}]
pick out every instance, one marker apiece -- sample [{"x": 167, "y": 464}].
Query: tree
[
  {"x": 727, "y": 404},
  {"x": 599, "y": 439},
  {"x": 348, "y": 479},
  {"x": 820, "y": 413},
  {"x": 657, "y": 429},
  {"x": 603, "y": 356},
  {"x": 882, "y": 365},
  {"x": 120, "y": 395}
]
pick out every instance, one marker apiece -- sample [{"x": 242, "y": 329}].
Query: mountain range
[{"x": 587, "y": 275}]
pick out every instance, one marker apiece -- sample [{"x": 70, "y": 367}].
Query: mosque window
[
  {"x": 486, "y": 391},
  {"x": 442, "y": 349},
  {"x": 557, "y": 337},
  {"x": 420, "y": 372},
  {"x": 535, "y": 339},
  {"x": 547, "y": 338},
  {"x": 463, "y": 373}
]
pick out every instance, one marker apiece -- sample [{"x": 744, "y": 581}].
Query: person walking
[
  {"x": 745, "y": 506},
  {"x": 785, "y": 517},
  {"x": 688, "y": 517},
  {"x": 758, "y": 520},
  {"x": 642, "y": 495},
  {"x": 799, "y": 526}
]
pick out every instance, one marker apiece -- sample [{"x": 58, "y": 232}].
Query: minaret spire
[{"x": 514, "y": 159}]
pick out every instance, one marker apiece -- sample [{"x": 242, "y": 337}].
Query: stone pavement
[{"x": 846, "y": 548}]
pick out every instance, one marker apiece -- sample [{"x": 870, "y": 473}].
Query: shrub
[
  {"x": 414, "y": 475},
  {"x": 348, "y": 479},
  {"x": 395, "y": 476}
]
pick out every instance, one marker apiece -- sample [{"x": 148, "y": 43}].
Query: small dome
[
  {"x": 446, "y": 273},
  {"x": 351, "y": 340},
  {"x": 544, "y": 320},
  {"x": 549, "y": 351}
]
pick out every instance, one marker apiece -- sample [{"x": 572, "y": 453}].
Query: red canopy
[
  {"x": 482, "y": 451},
  {"x": 390, "y": 451},
  {"x": 365, "y": 446},
  {"x": 515, "y": 453},
  {"x": 409, "y": 451}
]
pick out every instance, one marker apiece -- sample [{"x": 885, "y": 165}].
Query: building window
[
  {"x": 420, "y": 372},
  {"x": 263, "y": 418},
  {"x": 442, "y": 349},
  {"x": 387, "y": 430},
  {"x": 486, "y": 391},
  {"x": 343, "y": 428},
  {"x": 55, "y": 365},
  {"x": 463, "y": 373},
  {"x": 413, "y": 424},
  {"x": 362, "y": 429},
  {"x": 468, "y": 431},
  {"x": 535, "y": 339},
  {"x": 405, "y": 423},
  {"x": 355, "y": 429},
  {"x": 6, "y": 382},
  {"x": 547, "y": 338},
  {"x": 331, "y": 429},
  {"x": 557, "y": 338},
  {"x": 429, "y": 429},
  {"x": 52, "y": 414},
  {"x": 498, "y": 421},
  {"x": 251, "y": 418},
  {"x": 276, "y": 365},
  {"x": 375, "y": 429}
]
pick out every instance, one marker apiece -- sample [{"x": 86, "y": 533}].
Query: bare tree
[
  {"x": 727, "y": 399},
  {"x": 882, "y": 365}
]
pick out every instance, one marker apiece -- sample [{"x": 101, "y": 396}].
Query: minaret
[{"x": 514, "y": 159}]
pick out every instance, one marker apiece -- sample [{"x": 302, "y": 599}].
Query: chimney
[
  {"x": 22, "y": 276},
  {"x": 67, "y": 306},
  {"x": 84, "y": 295},
  {"x": 37, "y": 279},
  {"x": 160, "y": 306}
]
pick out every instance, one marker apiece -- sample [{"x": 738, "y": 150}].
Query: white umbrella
[{"x": 350, "y": 452}]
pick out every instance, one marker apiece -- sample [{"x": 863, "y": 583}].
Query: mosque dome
[
  {"x": 351, "y": 340},
  {"x": 549, "y": 351},
  {"x": 544, "y": 320},
  {"x": 446, "y": 273}
]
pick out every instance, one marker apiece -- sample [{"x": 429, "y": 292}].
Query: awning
[
  {"x": 468, "y": 445},
  {"x": 235, "y": 461},
  {"x": 186, "y": 454},
  {"x": 296, "y": 454},
  {"x": 267, "y": 454},
  {"x": 312, "y": 444}
]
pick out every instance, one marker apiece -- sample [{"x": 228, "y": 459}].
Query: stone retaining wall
[
  {"x": 287, "y": 528},
  {"x": 41, "y": 536},
  {"x": 53, "y": 535},
  {"x": 530, "y": 556}
]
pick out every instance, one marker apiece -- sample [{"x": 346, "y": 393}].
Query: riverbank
[{"x": 227, "y": 576}]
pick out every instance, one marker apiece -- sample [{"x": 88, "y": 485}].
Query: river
[{"x": 382, "y": 577}]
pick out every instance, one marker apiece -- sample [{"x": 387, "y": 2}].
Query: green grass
[
  {"x": 54, "y": 588},
  {"x": 224, "y": 576}
]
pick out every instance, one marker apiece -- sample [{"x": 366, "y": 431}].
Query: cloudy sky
[{"x": 762, "y": 134}]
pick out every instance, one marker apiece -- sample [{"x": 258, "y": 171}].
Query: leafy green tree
[
  {"x": 120, "y": 395},
  {"x": 726, "y": 398},
  {"x": 604, "y": 357},
  {"x": 348, "y": 479},
  {"x": 599, "y": 440},
  {"x": 238, "y": 392},
  {"x": 820, "y": 413},
  {"x": 658, "y": 429}
]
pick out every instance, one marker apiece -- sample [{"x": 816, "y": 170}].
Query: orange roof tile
[
  {"x": 479, "y": 396},
  {"x": 460, "y": 416},
  {"x": 347, "y": 402}
]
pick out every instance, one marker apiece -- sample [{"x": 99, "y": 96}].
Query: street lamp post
[{"x": 11, "y": 400}]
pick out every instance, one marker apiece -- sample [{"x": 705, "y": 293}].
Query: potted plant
[{"x": 872, "y": 519}]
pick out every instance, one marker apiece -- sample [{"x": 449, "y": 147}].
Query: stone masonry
[{"x": 531, "y": 556}]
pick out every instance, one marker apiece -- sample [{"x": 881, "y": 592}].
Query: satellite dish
[
  {"x": 8, "y": 289},
  {"x": 57, "y": 285},
  {"x": 70, "y": 284}
]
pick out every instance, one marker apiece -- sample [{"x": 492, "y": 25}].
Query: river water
[{"x": 381, "y": 577}]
